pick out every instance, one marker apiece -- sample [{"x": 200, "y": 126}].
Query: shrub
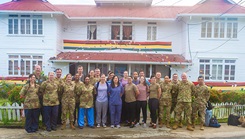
[
  {"x": 215, "y": 96},
  {"x": 14, "y": 95},
  {"x": 5, "y": 88},
  {"x": 234, "y": 96}
]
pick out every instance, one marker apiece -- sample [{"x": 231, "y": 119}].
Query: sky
[{"x": 155, "y": 2}]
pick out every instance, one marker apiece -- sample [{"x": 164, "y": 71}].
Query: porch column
[
  {"x": 109, "y": 66},
  {"x": 88, "y": 67},
  {"x": 150, "y": 70},
  {"x": 129, "y": 69}
]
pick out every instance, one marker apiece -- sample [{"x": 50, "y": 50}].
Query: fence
[
  {"x": 223, "y": 110},
  {"x": 11, "y": 112},
  {"x": 15, "y": 111}
]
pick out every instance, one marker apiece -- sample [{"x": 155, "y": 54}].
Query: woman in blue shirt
[{"x": 115, "y": 102}]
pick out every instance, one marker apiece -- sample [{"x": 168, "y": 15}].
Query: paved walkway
[{"x": 126, "y": 133}]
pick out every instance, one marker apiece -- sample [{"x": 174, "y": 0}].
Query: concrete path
[{"x": 127, "y": 133}]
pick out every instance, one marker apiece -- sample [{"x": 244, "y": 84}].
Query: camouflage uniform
[
  {"x": 174, "y": 94},
  {"x": 159, "y": 81},
  {"x": 92, "y": 80},
  {"x": 185, "y": 92},
  {"x": 78, "y": 88},
  {"x": 165, "y": 101},
  {"x": 31, "y": 106},
  {"x": 68, "y": 101},
  {"x": 49, "y": 91},
  {"x": 60, "y": 82},
  {"x": 199, "y": 105},
  {"x": 86, "y": 96},
  {"x": 31, "y": 96}
]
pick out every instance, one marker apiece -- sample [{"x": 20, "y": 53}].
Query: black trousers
[
  {"x": 59, "y": 115},
  {"x": 141, "y": 105},
  {"x": 124, "y": 109},
  {"x": 76, "y": 113},
  {"x": 131, "y": 111},
  {"x": 153, "y": 106}
]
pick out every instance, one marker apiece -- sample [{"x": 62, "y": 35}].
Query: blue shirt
[
  {"x": 136, "y": 82},
  {"x": 115, "y": 95}
]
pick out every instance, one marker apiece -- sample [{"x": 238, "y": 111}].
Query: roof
[
  {"x": 215, "y": 7},
  {"x": 29, "y": 5},
  {"x": 121, "y": 11},
  {"x": 123, "y": 2},
  {"x": 105, "y": 57}
]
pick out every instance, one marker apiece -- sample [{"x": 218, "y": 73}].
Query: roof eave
[
  {"x": 212, "y": 14},
  {"x": 120, "y": 18},
  {"x": 32, "y": 12},
  {"x": 122, "y": 62}
]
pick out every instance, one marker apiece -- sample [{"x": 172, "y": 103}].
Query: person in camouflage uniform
[
  {"x": 201, "y": 95},
  {"x": 31, "y": 104},
  {"x": 175, "y": 83},
  {"x": 59, "y": 81},
  {"x": 186, "y": 90},
  {"x": 78, "y": 88},
  {"x": 49, "y": 92},
  {"x": 97, "y": 74},
  {"x": 165, "y": 101},
  {"x": 158, "y": 78},
  {"x": 39, "y": 79},
  {"x": 86, "y": 103},
  {"x": 68, "y": 101},
  {"x": 92, "y": 80}
]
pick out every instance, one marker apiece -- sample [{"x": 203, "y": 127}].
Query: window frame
[
  {"x": 22, "y": 68},
  {"x": 23, "y": 29},
  {"x": 151, "y": 25},
  {"x": 217, "y": 28},
  {"x": 121, "y": 36},
  {"x": 216, "y": 63},
  {"x": 92, "y": 23}
]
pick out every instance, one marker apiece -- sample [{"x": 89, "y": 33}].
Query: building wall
[
  {"x": 45, "y": 44},
  {"x": 216, "y": 48}
]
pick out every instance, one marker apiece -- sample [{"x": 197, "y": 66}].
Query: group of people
[{"x": 97, "y": 100}]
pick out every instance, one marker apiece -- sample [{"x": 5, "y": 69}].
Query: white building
[{"x": 204, "y": 39}]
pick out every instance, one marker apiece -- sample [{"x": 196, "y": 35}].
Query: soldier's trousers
[
  {"x": 32, "y": 115},
  {"x": 67, "y": 108},
  {"x": 186, "y": 106},
  {"x": 201, "y": 109},
  {"x": 165, "y": 104},
  {"x": 50, "y": 116},
  {"x": 76, "y": 112}
]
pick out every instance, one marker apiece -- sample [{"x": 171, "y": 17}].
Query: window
[
  {"x": 121, "y": 31},
  {"x": 217, "y": 69},
  {"x": 23, "y": 64},
  {"x": 151, "y": 31},
  {"x": 219, "y": 28},
  {"x": 25, "y": 24},
  {"x": 92, "y": 31}
]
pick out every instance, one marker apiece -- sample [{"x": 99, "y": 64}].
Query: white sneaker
[
  {"x": 98, "y": 125},
  {"x": 104, "y": 125},
  {"x": 137, "y": 124},
  {"x": 112, "y": 126},
  {"x": 144, "y": 125},
  {"x": 118, "y": 126}
]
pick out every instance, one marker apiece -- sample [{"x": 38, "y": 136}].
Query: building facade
[{"x": 204, "y": 39}]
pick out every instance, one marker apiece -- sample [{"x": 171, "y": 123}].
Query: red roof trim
[{"x": 115, "y": 42}]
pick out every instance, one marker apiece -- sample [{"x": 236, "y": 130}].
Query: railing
[
  {"x": 11, "y": 112},
  {"x": 15, "y": 111},
  {"x": 223, "y": 110}
]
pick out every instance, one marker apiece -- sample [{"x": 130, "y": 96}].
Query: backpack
[
  {"x": 209, "y": 106},
  {"x": 214, "y": 122},
  {"x": 233, "y": 120}
]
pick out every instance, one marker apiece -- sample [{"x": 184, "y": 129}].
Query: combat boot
[
  {"x": 63, "y": 126},
  {"x": 175, "y": 126},
  {"x": 167, "y": 124},
  {"x": 201, "y": 126},
  {"x": 180, "y": 125},
  {"x": 189, "y": 127},
  {"x": 160, "y": 123},
  {"x": 193, "y": 125},
  {"x": 72, "y": 126}
]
